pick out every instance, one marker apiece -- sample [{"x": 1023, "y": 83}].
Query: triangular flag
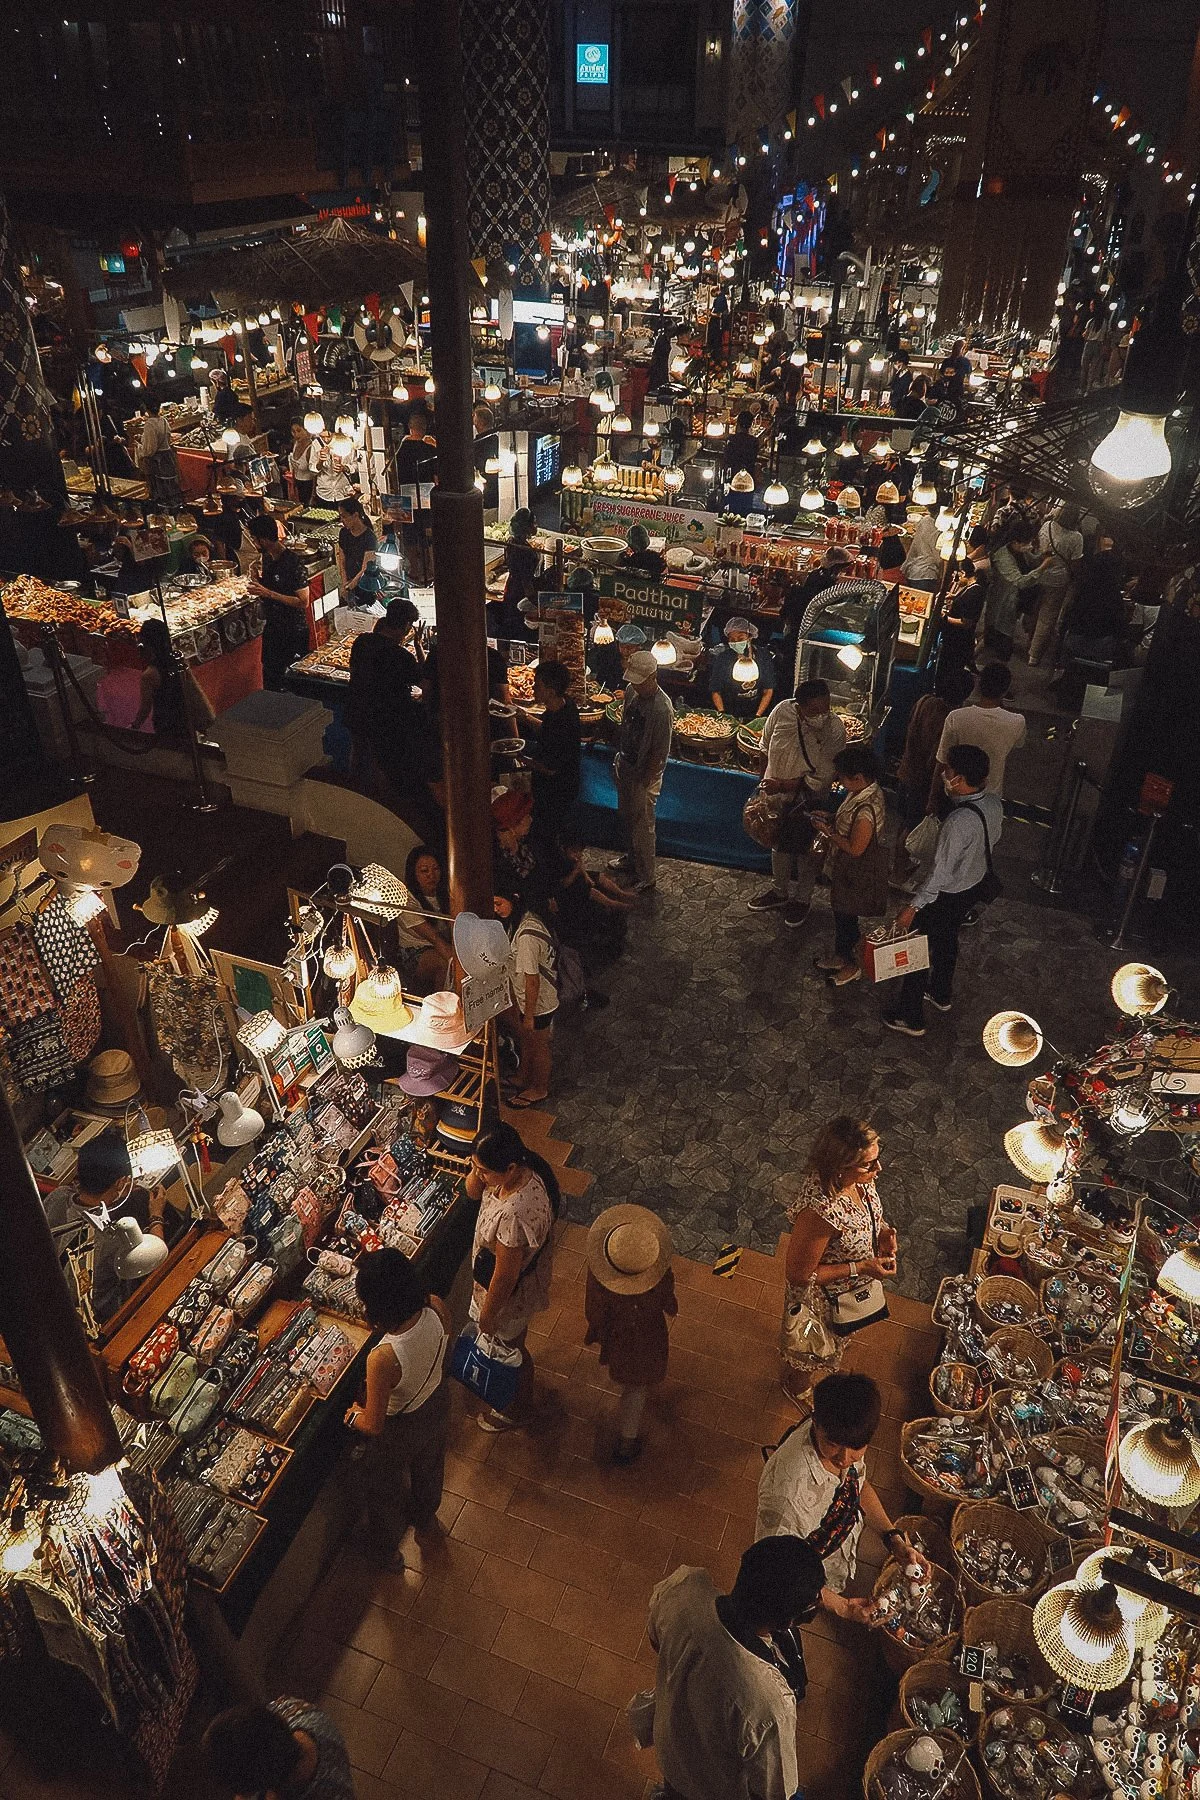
[
  {"x": 847, "y": 85},
  {"x": 875, "y": 77},
  {"x": 791, "y": 121},
  {"x": 610, "y": 213},
  {"x": 881, "y": 134},
  {"x": 642, "y": 195},
  {"x": 371, "y": 302},
  {"x": 334, "y": 315},
  {"x": 406, "y": 293},
  {"x": 671, "y": 180},
  {"x": 544, "y": 242},
  {"x": 819, "y": 105},
  {"x": 478, "y": 263},
  {"x": 927, "y": 40},
  {"x": 138, "y": 362}
]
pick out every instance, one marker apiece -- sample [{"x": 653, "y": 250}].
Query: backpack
[{"x": 564, "y": 969}]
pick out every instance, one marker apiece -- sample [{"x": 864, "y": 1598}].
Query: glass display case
[
  {"x": 848, "y": 639},
  {"x": 916, "y": 613}
]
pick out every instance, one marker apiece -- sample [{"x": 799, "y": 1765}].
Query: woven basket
[
  {"x": 900, "y": 1656},
  {"x": 939, "y": 1501},
  {"x": 946, "y": 1282},
  {"x": 1027, "y": 1345},
  {"x": 1009, "y": 1625},
  {"x": 994, "y": 1289},
  {"x": 929, "y": 1537},
  {"x": 965, "y": 1785},
  {"x": 928, "y": 1680},
  {"x": 943, "y": 1409},
  {"x": 1022, "y": 1716},
  {"x": 1007, "y": 1526},
  {"x": 1073, "y": 1443}
]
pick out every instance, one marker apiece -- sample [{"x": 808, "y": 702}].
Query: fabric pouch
[
  {"x": 227, "y": 1265},
  {"x": 212, "y": 1334},
  {"x": 285, "y": 1245},
  {"x": 194, "y": 1304},
  {"x": 150, "y": 1359},
  {"x": 311, "y": 1215},
  {"x": 251, "y": 1289},
  {"x": 324, "y": 1359},
  {"x": 174, "y": 1384},
  {"x": 232, "y": 1206},
  {"x": 190, "y": 1418}
]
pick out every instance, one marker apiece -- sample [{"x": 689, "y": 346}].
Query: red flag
[
  {"x": 819, "y": 105},
  {"x": 610, "y": 213},
  {"x": 371, "y": 302},
  {"x": 544, "y": 242},
  {"x": 927, "y": 40},
  {"x": 312, "y": 325},
  {"x": 229, "y": 344},
  {"x": 139, "y": 363},
  {"x": 671, "y": 180},
  {"x": 881, "y": 134},
  {"x": 873, "y": 72}
]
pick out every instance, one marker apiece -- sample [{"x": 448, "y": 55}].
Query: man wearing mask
[
  {"x": 742, "y": 698},
  {"x": 966, "y": 841},
  {"x": 644, "y": 746},
  {"x": 282, "y": 586},
  {"x": 730, "y": 1671},
  {"x": 801, "y": 738}
]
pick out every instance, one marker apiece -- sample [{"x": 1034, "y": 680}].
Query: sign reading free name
[
  {"x": 591, "y": 65},
  {"x": 649, "y": 604}
]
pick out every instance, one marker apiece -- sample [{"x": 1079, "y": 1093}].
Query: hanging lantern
[
  {"x": 314, "y": 423},
  {"x": 1159, "y": 1461},
  {"x": 1084, "y": 1636},
  {"x": 1139, "y": 990},
  {"x": 1012, "y": 1039},
  {"x": 1036, "y": 1148},
  {"x": 673, "y": 479},
  {"x": 775, "y": 493},
  {"x": 378, "y": 1002},
  {"x": 812, "y": 500},
  {"x": 572, "y": 476},
  {"x": 664, "y": 653}
]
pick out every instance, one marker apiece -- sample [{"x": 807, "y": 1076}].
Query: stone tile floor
[{"x": 699, "y": 1089}]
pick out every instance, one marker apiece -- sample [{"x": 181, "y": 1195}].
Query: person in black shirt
[
  {"x": 522, "y": 561},
  {"x": 901, "y": 381},
  {"x": 964, "y": 610},
  {"x": 741, "y": 452},
  {"x": 831, "y": 568},
  {"x": 357, "y": 548},
  {"x": 385, "y": 719},
  {"x": 416, "y": 455},
  {"x": 741, "y": 699},
  {"x": 640, "y": 556},
  {"x": 555, "y": 758},
  {"x": 282, "y": 586},
  {"x": 226, "y": 406}
]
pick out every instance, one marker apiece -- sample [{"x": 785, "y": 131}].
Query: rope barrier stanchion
[{"x": 59, "y": 670}]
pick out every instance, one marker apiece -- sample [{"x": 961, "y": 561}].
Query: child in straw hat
[{"x": 630, "y": 1296}]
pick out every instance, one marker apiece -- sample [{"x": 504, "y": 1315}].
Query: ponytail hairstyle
[{"x": 500, "y": 1146}]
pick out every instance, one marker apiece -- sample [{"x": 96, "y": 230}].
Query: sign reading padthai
[{"x": 646, "y": 602}]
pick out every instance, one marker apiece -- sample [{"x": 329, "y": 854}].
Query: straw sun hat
[{"x": 629, "y": 1250}]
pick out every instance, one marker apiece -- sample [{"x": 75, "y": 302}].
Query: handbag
[
  {"x": 232, "y": 1206},
  {"x": 991, "y": 887},
  {"x": 805, "y": 1333},
  {"x": 174, "y": 1384},
  {"x": 863, "y": 1303},
  {"x": 286, "y": 1245},
  {"x": 212, "y": 1335},
  {"x": 760, "y": 818},
  {"x": 189, "y": 1420},
  {"x": 859, "y": 884},
  {"x": 150, "y": 1359},
  {"x": 486, "y": 1367}
]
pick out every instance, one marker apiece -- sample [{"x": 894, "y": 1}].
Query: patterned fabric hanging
[
  {"x": 508, "y": 131},
  {"x": 25, "y": 991}
]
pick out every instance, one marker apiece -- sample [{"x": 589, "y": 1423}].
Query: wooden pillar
[
  {"x": 40, "y": 1326},
  {"x": 457, "y": 505}
]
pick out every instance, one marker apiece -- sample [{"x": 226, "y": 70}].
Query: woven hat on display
[
  {"x": 629, "y": 1249},
  {"x": 112, "y": 1079}
]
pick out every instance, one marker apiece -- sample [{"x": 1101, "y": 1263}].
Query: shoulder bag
[
  {"x": 864, "y": 1303},
  {"x": 489, "y": 1368},
  {"x": 991, "y": 887},
  {"x": 859, "y": 884}
]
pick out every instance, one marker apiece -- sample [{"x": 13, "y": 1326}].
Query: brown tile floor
[{"x": 498, "y": 1667}]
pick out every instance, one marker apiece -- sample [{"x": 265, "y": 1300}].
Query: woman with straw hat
[{"x": 630, "y": 1295}]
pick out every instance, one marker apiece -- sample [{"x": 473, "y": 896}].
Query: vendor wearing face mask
[{"x": 731, "y": 693}]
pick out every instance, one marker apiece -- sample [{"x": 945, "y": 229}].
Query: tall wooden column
[
  {"x": 457, "y": 505},
  {"x": 40, "y": 1326},
  {"x": 1011, "y": 212}
]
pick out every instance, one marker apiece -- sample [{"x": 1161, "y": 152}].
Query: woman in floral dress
[{"x": 839, "y": 1239}]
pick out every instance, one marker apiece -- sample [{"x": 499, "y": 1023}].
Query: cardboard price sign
[
  {"x": 664, "y": 607},
  {"x": 483, "y": 996}
]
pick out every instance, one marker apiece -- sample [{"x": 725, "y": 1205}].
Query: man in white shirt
[
  {"x": 729, "y": 1668},
  {"x": 988, "y": 724},
  {"x": 801, "y": 738}
]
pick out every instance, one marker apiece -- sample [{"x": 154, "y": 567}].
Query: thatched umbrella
[{"x": 331, "y": 264}]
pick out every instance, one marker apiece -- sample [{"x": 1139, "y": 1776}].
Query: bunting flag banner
[
  {"x": 819, "y": 105},
  {"x": 847, "y": 85},
  {"x": 791, "y": 123},
  {"x": 406, "y": 294},
  {"x": 927, "y": 40},
  {"x": 138, "y": 362},
  {"x": 312, "y": 325},
  {"x": 610, "y": 213},
  {"x": 371, "y": 302},
  {"x": 334, "y": 316},
  {"x": 671, "y": 180},
  {"x": 478, "y": 263},
  {"x": 873, "y": 75},
  {"x": 545, "y": 242},
  {"x": 229, "y": 345},
  {"x": 1122, "y": 118}
]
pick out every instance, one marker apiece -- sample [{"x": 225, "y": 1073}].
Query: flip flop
[{"x": 519, "y": 1101}]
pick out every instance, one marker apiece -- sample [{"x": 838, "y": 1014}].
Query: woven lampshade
[
  {"x": 261, "y": 1033},
  {"x": 151, "y": 1154},
  {"x": 381, "y": 891},
  {"x": 339, "y": 962},
  {"x": 1147, "y": 1617},
  {"x": 1180, "y": 1274},
  {"x": 1159, "y": 1461},
  {"x": 378, "y": 1002},
  {"x": 1036, "y": 1148},
  {"x": 1084, "y": 1636},
  {"x": 1139, "y": 990},
  {"x": 1012, "y": 1039}
]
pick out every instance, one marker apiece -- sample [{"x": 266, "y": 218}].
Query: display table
[{"x": 699, "y": 814}]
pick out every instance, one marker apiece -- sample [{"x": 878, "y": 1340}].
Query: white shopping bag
[{"x": 888, "y": 954}]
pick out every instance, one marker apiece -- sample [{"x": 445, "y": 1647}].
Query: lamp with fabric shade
[
  {"x": 1180, "y": 1274},
  {"x": 1159, "y": 1461},
  {"x": 602, "y": 632},
  {"x": 1084, "y": 1636},
  {"x": 812, "y": 500},
  {"x": 745, "y": 670},
  {"x": 231, "y": 438},
  {"x": 261, "y": 1033},
  {"x": 492, "y": 393},
  {"x": 798, "y": 358},
  {"x": 1036, "y": 1148},
  {"x": 814, "y": 447},
  {"x": 1012, "y": 1039},
  {"x": 604, "y": 471},
  {"x": 664, "y": 652},
  {"x": 924, "y": 492},
  {"x": 651, "y": 428},
  {"x": 621, "y": 423}
]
